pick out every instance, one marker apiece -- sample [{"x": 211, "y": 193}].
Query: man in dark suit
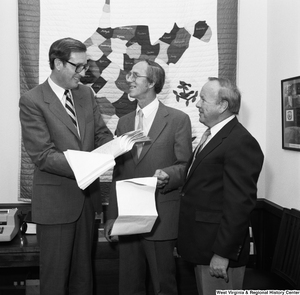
[
  {"x": 63, "y": 212},
  {"x": 219, "y": 192},
  {"x": 165, "y": 157}
]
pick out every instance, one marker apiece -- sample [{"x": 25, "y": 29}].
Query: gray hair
[{"x": 229, "y": 92}]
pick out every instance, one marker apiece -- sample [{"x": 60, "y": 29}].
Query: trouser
[
  {"x": 136, "y": 254},
  {"x": 66, "y": 255}
]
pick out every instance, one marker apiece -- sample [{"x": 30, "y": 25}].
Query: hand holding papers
[
  {"x": 122, "y": 144},
  {"x": 136, "y": 205},
  {"x": 88, "y": 166}
]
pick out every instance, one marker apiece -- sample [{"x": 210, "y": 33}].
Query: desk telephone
[{"x": 9, "y": 224}]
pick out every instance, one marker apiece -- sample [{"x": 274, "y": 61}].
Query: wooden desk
[
  {"x": 22, "y": 251},
  {"x": 19, "y": 261}
]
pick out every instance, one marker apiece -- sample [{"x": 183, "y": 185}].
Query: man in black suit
[{"x": 219, "y": 192}]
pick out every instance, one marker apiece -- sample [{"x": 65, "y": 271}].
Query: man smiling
[
  {"x": 164, "y": 157},
  {"x": 57, "y": 115},
  {"x": 219, "y": 192}
]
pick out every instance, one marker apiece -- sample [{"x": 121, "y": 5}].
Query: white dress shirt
[
  {"x": 215, "y": 129},
  {"x": 149, "y": 113}
]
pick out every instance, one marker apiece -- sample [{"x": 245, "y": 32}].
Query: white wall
[
  {"x": 269, "y": 49},
  {"x": 282, "y": 185},
  {"x": 9, "y": 116},
  {"x": 252, "y": 73}
]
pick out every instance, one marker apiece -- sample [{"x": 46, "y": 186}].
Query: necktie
[
  {"x": 203, "y": 139},
  {"x": 139, "y": 146},
  {"x": 70, "y": 107}
]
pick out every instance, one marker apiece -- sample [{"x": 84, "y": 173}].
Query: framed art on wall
[{"x": 290, "y": 101}]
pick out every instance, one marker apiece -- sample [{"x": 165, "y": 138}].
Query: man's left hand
[{"x": 218, "y": 267}]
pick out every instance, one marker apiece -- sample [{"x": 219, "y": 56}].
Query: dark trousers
[
  {"x": 136, "y": 254},
  {"x": 66, "y": 255}
]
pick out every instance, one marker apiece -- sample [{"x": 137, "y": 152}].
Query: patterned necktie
[
  {"x": 203, "y": 139},
  {"x": 70, "y": 107},
  {"x": 139, "y": 146}
]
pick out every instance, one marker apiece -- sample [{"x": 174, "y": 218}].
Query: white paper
[
  {"x": 87, "y": 167},
  {"x": 136, "y": 205},
  {"x": 122, "y": 144}
]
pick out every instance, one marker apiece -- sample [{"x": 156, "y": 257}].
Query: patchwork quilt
[{"x": 192, "y": 40}]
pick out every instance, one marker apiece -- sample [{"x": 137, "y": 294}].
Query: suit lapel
[
  {"x": 157, "y": 127},
  {"x": 57, "y": 108},
  {"x": 55, "y": 105},
  {"x": 128, "y": 125},
  {"x": 212, "y": 144}
]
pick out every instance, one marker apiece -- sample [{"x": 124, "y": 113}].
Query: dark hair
[
  {"x": 63, "y": 48},
  {"x": 156, "y": 74},
  {"x": 229, "y": 92}
]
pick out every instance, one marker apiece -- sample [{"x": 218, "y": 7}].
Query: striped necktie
[{"x": 70, "y": 107}]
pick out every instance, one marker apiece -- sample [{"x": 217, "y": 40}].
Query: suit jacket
[
  {"x": 47, "y": 132},
  {"x": 218, "y": 196},
  {"x": 169, "y": 150}
]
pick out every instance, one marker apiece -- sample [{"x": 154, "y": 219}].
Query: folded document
[
  {"x": 88, "y": 166},
  {"x": 136, "y": 206}
]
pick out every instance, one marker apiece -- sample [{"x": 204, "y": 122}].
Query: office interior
[{"x": 268, "y": 52}]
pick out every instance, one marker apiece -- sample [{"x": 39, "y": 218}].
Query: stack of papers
[
  {"x": 122, "y": 144},
  {"x": 136, "y": 206},
  {"x": 88, "y": 166}
]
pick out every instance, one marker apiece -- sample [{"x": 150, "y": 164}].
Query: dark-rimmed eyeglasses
[
  {"x": 133, "y": 76},
  {"x": 79, "y": 68}
]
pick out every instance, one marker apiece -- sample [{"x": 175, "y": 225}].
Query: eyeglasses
[
  {"x": 79, "y": 68},
  {"x": 133, "y": 76}
]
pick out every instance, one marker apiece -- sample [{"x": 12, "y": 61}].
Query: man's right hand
[{"x": 107, "y": 231}]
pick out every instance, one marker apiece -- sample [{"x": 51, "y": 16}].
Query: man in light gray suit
[
  {"x": 165, "y": 157},
  {"x": 63, "y": 212}
]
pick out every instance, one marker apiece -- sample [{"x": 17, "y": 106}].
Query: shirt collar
[
  {"x": 59, "y": 91},
  {"x": 215, "y": 129},
  {"x": 151, "y": 107}
]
